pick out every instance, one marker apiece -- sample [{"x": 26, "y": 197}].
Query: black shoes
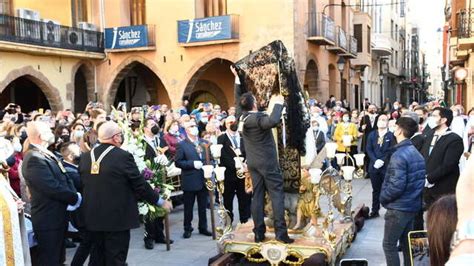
[
  {"x": 373, "y": 215},
  {"x": 259, "y": 238},
  {"x": 68, "y": 243},
  {"x": 285, "y": 239},
  {"x": 187, "y": 234},
  {"x": 162, "y": 241},
  {"x": 149, "y": 243},
  {"x": 205, "y": 232}
]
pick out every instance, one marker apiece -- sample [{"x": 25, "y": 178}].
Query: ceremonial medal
[{"x": 95, "y": 167}]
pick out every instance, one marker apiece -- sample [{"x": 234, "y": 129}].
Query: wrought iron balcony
[
  {"x": 321, "y": 29},
  {"x": 25, "y": 31},
  {"x": 465, "y": 29},
  {"x": 342, "y": 45},
  {"x": 352, "y": 47}
]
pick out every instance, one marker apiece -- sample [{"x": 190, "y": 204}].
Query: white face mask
[
  {"x": 47, "y": 138},
  {"x": 315, "y": 128},
  {"x": 395, "y": 106},
  {"x": 345, "y": 118},
  {"x": 391, "y": 129},
  {"x": 382, "y": 124},
  {"x": 194, "y": 131},
  {"x": 432, "y": 123}
]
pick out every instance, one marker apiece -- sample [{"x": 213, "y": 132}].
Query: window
[
  {"x": 79, "y": 11},
  {"x": 137, "y": 12},
  {"x": 369, "y": 41},
  {"x": 391, "y": 58},
  {"x": 6, "y": 7},
  {"x": 391, "y": 28},
  {"x": 358, "y": 35},
  {"x": 211, "y": 8},
  {"x": 396, "y": 32},
  {"x": 396, "y": 59}
]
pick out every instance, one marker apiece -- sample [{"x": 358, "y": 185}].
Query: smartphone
[
  {"x": 419, "y": 248},
  {"x": 354, "y": 262}
]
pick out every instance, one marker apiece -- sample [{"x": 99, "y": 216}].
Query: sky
[{"x": 428, "y": 15}]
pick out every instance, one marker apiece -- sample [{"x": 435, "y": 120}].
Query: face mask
[
  {"x": 155, "y": 130},
  {"x": 234, "y": 127},
  {"x": 174, "y": 129},
  {"x": 65, "y": 138},
  {"x": 421, "y": 120},
  {"x": 17, "y": 146},
  {"x": 315, "y": 128},
  {"x": 79, "y": 134},
  {"x": 455, "y": 114},
  {"x": 194, "y": 131},
  {"x": 337, "y": 108},
  {"x": 316, "y": 115},
  {"x": 76, "y": 159},
  {"x": 345, "y": 119},
  {"x": 395, "y": 106},
  {"x": 432, "y": 123},
  {"x": 381, "y": 124},
  {"x": 204, "y": 120},
  {"x": 391, "y": 129},
  {"x": 47, "y": 138},
  {"x": 23, "y": 136}
]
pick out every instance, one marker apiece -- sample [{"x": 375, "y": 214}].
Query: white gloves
[
  {"x": 197, "y": 165},
  {"x": 78, "y": 203},
  {"x": 161, "y": 159},
  {"x": 378, "y": 164}
]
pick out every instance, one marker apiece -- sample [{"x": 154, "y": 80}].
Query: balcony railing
[
  {"x": 353, "y": 49},
  {"x": 19, "y": 30},
  {"x": 321, "y": 29},
  {"x": 342, "y": 39},
  {"x": 465, "y": 19}
]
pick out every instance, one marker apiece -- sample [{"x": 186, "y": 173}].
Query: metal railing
[
  {"x": 342, "y": 39},
  {"x": 465, "y": 19},
  {"x": 48, "y": 34},
  {"x": 321, "y": 25},
  {"x": 353, "y": 46}
]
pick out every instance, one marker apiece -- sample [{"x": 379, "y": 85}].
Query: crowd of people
[{"x": 414, "y": 156}]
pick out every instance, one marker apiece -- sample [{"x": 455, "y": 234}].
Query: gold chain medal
[{"x": 95, "y": 166}]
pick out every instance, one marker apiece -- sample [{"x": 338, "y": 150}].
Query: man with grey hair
[
  {"x": 112, "y": 185},
  {"x": 51, "y": 193}
]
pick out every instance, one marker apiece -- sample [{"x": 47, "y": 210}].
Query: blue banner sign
[
  {"x": 126, "y": 37},
  {"x": 205, "y": 29}
]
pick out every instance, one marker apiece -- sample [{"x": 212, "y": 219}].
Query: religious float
[{"x": 318, "y": 203}]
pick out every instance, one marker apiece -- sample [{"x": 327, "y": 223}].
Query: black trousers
[
  {"x": 154, "y": 229},
  {"x": 271, "y": 180},
  {"x": 232, "y": 187},
  {"x": 84, "y": 249},
  {"x": 109, "y": 248},
  {"x": 189, "y": 197},
  {"x": 377, "y": 180},
  {"x": 50, "y": 249}
]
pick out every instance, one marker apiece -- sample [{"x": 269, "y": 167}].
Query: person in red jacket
[{"x": 13, "y": 162}]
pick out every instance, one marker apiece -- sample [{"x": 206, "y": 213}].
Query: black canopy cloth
[{"x": 268, "y": 71}]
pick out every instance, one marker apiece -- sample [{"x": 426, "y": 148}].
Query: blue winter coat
[{"x": 404, "y": 180}]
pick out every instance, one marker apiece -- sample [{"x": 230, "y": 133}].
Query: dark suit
[
  {"x": 110, "y": 202},
  {"x": 192, "y": 181},
  {"x": 368, "y": 128},
  {"x": 232, "y": 184},
  {"x": 442, "y": 165},
  {"x": 263, "y": 164},
  {"x": 154, "y": 229},
  {"x": 51, "y": 193},
  {"x": 376, "y": 152}
]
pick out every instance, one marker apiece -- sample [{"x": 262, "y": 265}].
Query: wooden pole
[
  {"x": 213, "y": 221},
  {"x": 167, "y": 232}
]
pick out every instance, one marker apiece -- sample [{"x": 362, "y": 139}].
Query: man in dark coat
[
  {"x": 233, "y": 145},
  {"x": 367, "y": 125},
  {"x": 155, "y": 145},
  {"x": 442, "y": 150},
  {"x": 263, "y": 164},
  {"x": 378, "y": 147},
  {"x": 111, "y": 185},
  {"x": 191, "y": 154},
  {"x": 51, "y": 193}
]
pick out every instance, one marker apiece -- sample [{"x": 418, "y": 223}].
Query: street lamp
[{"x": 340, "y": 65}]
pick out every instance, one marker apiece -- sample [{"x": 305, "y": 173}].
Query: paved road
[{"x": 198, "y": 249}]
